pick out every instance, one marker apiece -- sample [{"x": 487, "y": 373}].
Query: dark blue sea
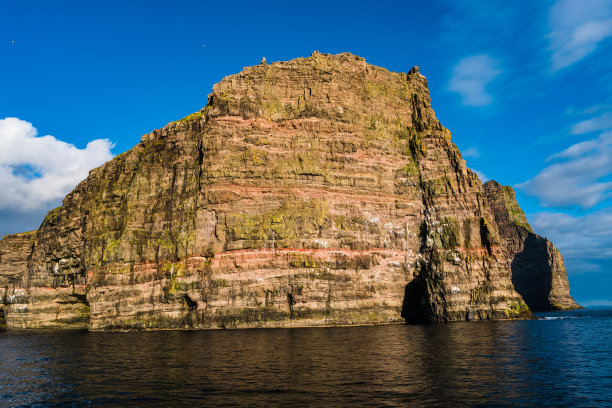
[{"x": 561, "y": 360}]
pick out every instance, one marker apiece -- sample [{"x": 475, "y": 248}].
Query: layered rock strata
[{"x": 317, "y": 191}]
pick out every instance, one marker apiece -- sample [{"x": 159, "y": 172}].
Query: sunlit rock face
[{"x": 317, "y": 191}]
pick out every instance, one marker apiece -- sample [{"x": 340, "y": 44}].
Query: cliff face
[
  {"x": 538, "y": 273},
  {"x": 321, "y": 190}
]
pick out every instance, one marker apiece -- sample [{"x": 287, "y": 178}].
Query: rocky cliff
[
  {"x": 538, "y": 273},
  {"x": 321, "y": 190}
]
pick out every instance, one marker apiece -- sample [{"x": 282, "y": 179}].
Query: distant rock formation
[
  {"x": 317, "y": 191},
  {"x": 538, "y": 273}
]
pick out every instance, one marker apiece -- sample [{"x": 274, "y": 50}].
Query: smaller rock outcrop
[
  {"x": 538, "y": 273},
  {"x": 14, "y": 258},
  {"x": 13, "y": 263},
  {"x": 27, "y": 305}
]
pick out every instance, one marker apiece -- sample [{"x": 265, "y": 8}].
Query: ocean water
[{"x": 561, "y": 360}]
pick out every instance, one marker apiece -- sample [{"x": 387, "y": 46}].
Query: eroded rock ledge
[{"x": 317, "y": 191}]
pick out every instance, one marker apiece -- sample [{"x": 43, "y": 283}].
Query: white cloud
[
  {"x": 577, "y": 177},
  {"x": 471, "y": 152},
  {"x": 591, "y": 110},
  {"x": 38, "y": 171},
  {"x": 577, "y": 27},
  {"x": 579, "y": 149},
  {"x": 470, "y": 79},
  {"x": 579, "y": 238},
  {"x": 591, "y": 125},
  {"x": 576, "y": 266}
]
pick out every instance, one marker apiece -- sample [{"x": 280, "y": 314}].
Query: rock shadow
[{"x": 532, "y": 273}]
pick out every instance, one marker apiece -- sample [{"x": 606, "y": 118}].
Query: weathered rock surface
[
  {"x": 321, "y": 190},
  {"x": 537, "y": 266}
]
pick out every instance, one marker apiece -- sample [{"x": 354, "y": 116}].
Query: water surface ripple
[{"x": 564, "y": 360}]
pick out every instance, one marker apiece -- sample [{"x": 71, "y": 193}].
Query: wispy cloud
[
  {"x": 481, "y": 175},
  {"x": 470, "y": 79},
  {"x": 579, "y": 238},
  {"x": 579, "y": 175},
  {"x": 591, "y": 125},
  {"x": 38, "y": 171},
  {"x": 596, "y": 302},
  {"x": 576, "y": 266},
  {"x": 471, "y": 152},
  {"x": 577, "y": 27},
  {"x": 584, "y": 148}
]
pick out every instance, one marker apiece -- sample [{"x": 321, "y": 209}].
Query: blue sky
[{"x": 524, "y": 86}]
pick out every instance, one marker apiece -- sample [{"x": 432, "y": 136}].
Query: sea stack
[{"x": 316, "y": 191}]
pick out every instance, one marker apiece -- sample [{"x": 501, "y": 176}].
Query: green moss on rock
[
  {"x": 515, "y": 212},
  {"x": 518, "y": 310},
  {"x": 294, "y": 220},
  {"x": 451, "y": 233},
  {"x": 193, "y": 116}
]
